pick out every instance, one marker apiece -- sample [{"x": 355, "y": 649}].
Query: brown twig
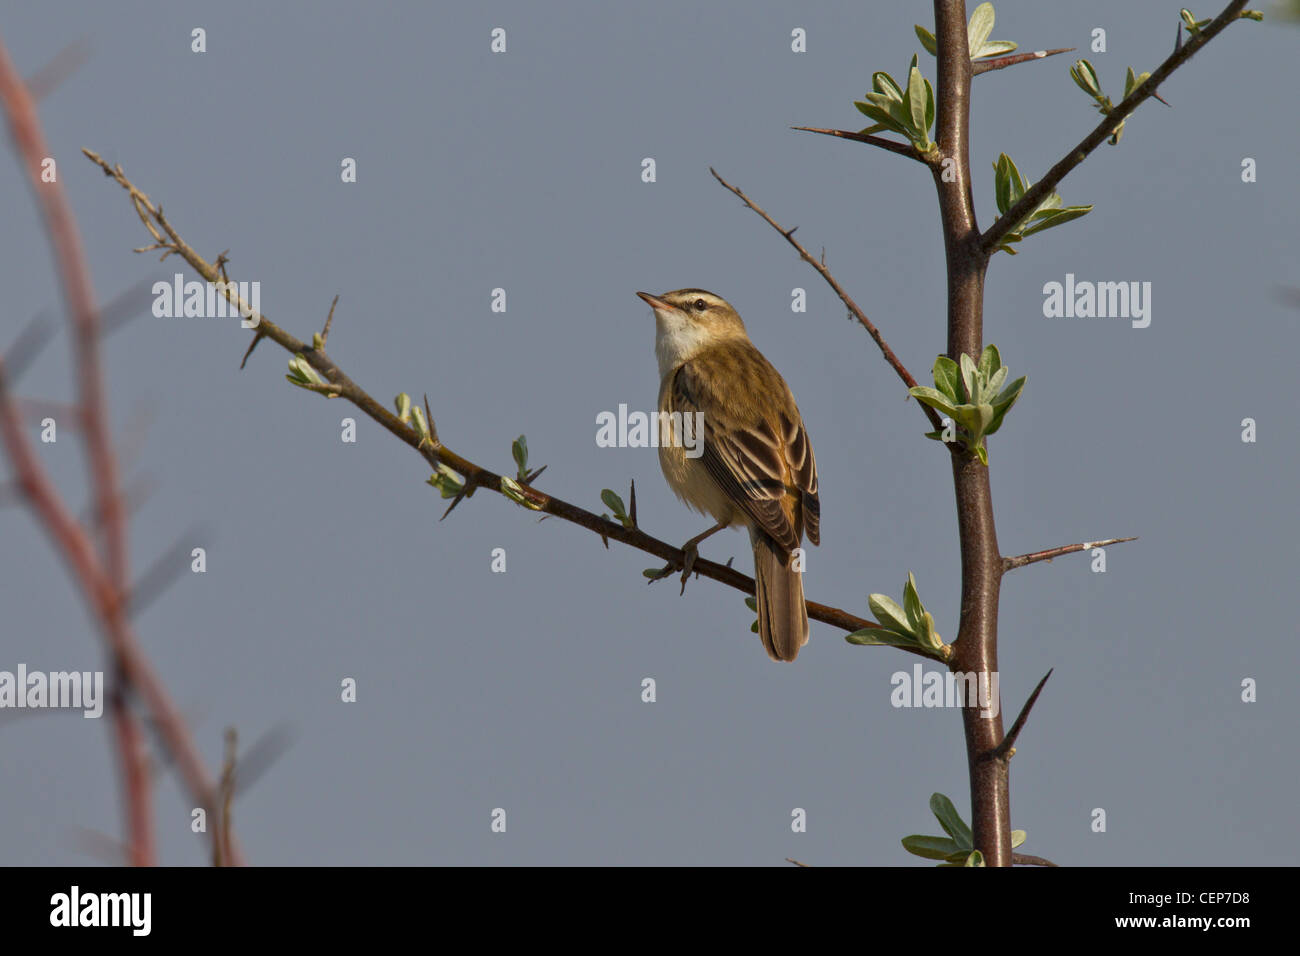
[
  {"x": 893, "y": 146},
  {"x": 825, "y": 273},
  {"x": 1010, "y": 564},
  {"x": 1002, "y": 62}
]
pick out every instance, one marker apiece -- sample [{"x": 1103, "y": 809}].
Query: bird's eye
[{"x": 700, "y": 305}]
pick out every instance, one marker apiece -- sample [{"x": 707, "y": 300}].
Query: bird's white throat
[{"x": 677, "y": 338}]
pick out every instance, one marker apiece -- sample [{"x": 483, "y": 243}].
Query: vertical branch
[
  {"x": 103, "y": 573},
  {"x": 981, "y": 563}
]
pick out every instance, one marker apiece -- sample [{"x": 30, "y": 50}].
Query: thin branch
[
  {"x": 1028, "y": 859},
  {"x": 1010, "y": 564},
  {"x": 1040, "y": 190},
  {"x": 893, "y": 146},
  {"x": 434, "y": 452},
  {"x": 1007, "y": 748},
  {"x": 825, "y": 273},
  {"x": 163, "y": 572},
  {"x": 66, "y": 62},
  {"x": 1002, "y": 62}
]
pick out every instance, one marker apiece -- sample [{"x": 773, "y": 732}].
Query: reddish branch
[{"x": 102, "y": 576}]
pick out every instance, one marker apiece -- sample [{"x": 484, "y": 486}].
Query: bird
[{"x": 756, "y": 468}]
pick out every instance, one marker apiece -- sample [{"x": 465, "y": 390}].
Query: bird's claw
[
  {"x": 690, "y": 552},
  {"x": 688, "y": 565}
]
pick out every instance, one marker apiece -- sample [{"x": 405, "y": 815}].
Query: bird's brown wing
[{"x": 764, "y": 463}]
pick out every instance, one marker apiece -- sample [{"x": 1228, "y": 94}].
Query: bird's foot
[
  {"x": 688, "y": 565},
  {"x": 690, "y": 552}
]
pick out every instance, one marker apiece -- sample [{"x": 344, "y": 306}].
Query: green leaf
[
  {"x": 976, "y": 858},
  {"x": 613, "y": 502},
  {"x": 927, "y": 40},
  {"x": 880, "y": 637},
  {"x": 1018, "y": 837},
  {"x": 951, "y": 820},
  {"x": 1007, "y": 397},
  {"x": 896, "y": 109},
  {"x": 929, "y": 637},
  {"x": 1002, "y": 183},
  {"x": 990, "y": 361},
  {"x": 885, "y": 85},
  {"x": 916, "y": 104},
  {"x": 932, "y": 397},
  {"x": 448, "y": 482},
  {"x": 1055, "y": 217},
  {"x": 932, "y": 847},
  {"x": 511, "y": 489},
  {"x": 519, "y": 450},
  {"x": 403, "y": 405},
  {"x": 751, "y": 602},
  {"x": 979, "y": 27},
  {"x": 947, "y": 377},
  {"x": 1086, "y": 77},
  {"x": 912, "y": 605},
  {"x": 1002, "y": 404},
  {"x": 995, "y": 48},
  {"x": 974, "y": 418},
  {"x": 929, "y": 108},
  {"x": 881, "y": 117},
  {"x": 419, "y": 423},
  {"x": 888, "y": 613},
  {"x": 967, "y": 365}
]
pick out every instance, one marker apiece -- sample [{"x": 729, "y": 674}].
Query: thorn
[
  {"x": 632, "y": 512},
  {"x": 433, "y": 428},
  {"x": 329, "y": 320},
  {"x": 252, "y": 345}
]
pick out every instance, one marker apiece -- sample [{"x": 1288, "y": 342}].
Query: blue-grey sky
[{"x": 522, "y": 690}]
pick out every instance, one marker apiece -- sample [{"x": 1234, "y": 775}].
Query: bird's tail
[{"x": 782, "y": 614}]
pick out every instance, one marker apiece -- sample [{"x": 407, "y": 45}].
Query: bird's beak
[{"x": 656, "y": 303}]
